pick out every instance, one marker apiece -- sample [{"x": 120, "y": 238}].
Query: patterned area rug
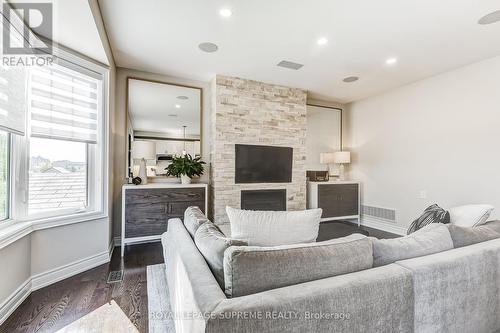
[
  {"x": 109, "y": 318},
  {"x": 160, "y": 319}
]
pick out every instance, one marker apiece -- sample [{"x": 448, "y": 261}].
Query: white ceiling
[
  {"x": 427, "y": 36},
  {"x": 152, "y": 106},
  {"x": 75, "y": 28}
]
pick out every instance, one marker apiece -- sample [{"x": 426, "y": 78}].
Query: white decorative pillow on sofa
[
  {"x": 470, "y": 215},
  {"x": 269, "y": 228}
]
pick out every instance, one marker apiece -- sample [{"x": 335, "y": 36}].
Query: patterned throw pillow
[{"x": 432, "y": 214}]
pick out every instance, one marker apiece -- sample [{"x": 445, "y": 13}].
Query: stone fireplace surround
[{"x": 251, "y": 112}]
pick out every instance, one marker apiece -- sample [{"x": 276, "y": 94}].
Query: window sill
[{"x": 15, "y": 230}]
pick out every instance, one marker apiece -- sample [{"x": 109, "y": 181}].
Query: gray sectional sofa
[{"x": 456, "y": 290}]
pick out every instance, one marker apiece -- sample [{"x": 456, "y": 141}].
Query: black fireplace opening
[{"x": 274, "y": 200}]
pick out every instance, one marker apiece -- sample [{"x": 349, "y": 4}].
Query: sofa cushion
[
  {"x": 269, "y": 228},
  {"x": 428, "y": 240},
  {"x": 193, "y": 219},
  {"x": 212, "y": 243},
  {"x": 432, "y": 214},
  {"x": 470, "y": 215},
  {"x": 464, "y": 236},
  {"x": 252, "y": 269}
]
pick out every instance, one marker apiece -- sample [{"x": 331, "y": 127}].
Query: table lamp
[
  {"x": 342, "y": 157},
  {"x": 143, "y": 150}
]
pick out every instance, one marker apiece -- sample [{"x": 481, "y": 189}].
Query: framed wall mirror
[
  {"x": 166, "y": 116},
  {"x": 324, "y": 134}
]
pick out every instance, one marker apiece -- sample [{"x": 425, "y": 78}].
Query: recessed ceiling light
[
  {"x": 225, "y": 12},
  {"x": 172, "y": 115},
  {"x": 490, "y": 18},
  {"x": 182, "y": 97},
  {"x": 322, "y": 41},
  {"x": 177, "y": 106},
  {"x": 391, "y": 61},
  {"x": 350, "y": 79},
  {"x": 208, "y": 47}
]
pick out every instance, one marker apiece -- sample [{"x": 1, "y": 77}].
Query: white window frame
[
  {"x": 9, "y": 168},
  {"x": 97, "y": 161}
]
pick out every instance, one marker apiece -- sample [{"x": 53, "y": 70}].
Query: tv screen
[{"x": 263, "y": 164}]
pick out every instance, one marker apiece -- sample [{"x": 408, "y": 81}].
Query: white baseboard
[
  {"x": 60, "y": 273},
  {"x": 14, "y": 300},
  {"x": 117, "y": 241},
  {"x": 383, "y": 225},
  {"x": 44, "y": 279}
]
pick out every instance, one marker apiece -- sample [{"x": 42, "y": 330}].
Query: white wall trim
[
  {"x": 60, "y": 273},
  {"x": 383, "y": 225},
  {"x": 17, "y": 230},
  {"x": 44, "y": 279},
  {"x": 14, "y": 300},
  {"x": 118, "y": 241}
]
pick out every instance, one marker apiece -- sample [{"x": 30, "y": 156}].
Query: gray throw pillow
[
  {"x": 465, "y": 236},
  {"x": 212, "y": 243},
  {"x": 252, "y": 269},
  {"x": 193, "y": 219},
  {"x": 431, "y": 239},
  {"x": 432, "y": 214}
]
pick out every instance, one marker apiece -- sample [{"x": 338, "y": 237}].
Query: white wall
[
  {"x": 15, "y": 261},
  {"x": 440, "y": 135},
  {"x": 120, "y": 130}
]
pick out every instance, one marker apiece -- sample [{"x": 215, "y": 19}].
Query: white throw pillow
[
  {"x": 470, "y": 215},
  {"x": 269, "y": 228}
]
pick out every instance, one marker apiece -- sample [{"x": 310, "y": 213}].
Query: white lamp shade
[
  {"x": 326, "y": 158},
  {"x": 143, "y": 150},
  {"x": 342, "y": 157}
]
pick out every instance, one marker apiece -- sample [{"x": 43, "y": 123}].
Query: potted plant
[{"x": 185, "y": 167}]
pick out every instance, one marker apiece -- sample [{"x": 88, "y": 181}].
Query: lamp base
[
  {"x": 342, "y": 172},
  {"x": 143, "y": 173}
]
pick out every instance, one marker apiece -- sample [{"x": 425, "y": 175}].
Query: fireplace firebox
[{"x": 274, "y": 200}]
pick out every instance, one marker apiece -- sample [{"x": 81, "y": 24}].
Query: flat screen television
[{"x": 263, "y": 164}]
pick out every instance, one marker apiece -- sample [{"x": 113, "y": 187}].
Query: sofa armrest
[
  {"x": 373, "y": 300},
  {"x": 193, "y": 290}
]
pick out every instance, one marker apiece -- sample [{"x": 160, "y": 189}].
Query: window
[
  {"x": 64, "y": 130},
  {"x": 52, "y": 137},
  {"x": 56, "y": 143},
  {"x": 57, "y": 175},
  {"x": 4, "y": 175}
]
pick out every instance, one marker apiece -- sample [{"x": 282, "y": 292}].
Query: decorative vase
[{"x": 185, "y": 179}]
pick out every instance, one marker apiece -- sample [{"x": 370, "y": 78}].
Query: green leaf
[{"x": 185, "y": 165}]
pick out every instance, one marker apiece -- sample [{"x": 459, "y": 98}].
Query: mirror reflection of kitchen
[{"x": 166, "y": 119}]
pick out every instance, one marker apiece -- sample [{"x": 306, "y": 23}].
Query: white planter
[{"x": 185, "y": 179}]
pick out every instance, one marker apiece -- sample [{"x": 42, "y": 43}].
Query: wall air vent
[
  {"x": 380, "y": 213},
  {"x": 289, "y": 65}
]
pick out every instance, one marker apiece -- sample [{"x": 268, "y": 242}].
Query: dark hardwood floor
[
  {"x": 336, "y": 229},
  {"x": 51, "y": 308}
]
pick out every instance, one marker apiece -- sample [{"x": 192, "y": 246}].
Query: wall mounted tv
[{"x": 263, "y": 164}]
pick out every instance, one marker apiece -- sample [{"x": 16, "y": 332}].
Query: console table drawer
[
  {"x": 145, "y": 219},
  {"x": 177, "y": 209}
]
